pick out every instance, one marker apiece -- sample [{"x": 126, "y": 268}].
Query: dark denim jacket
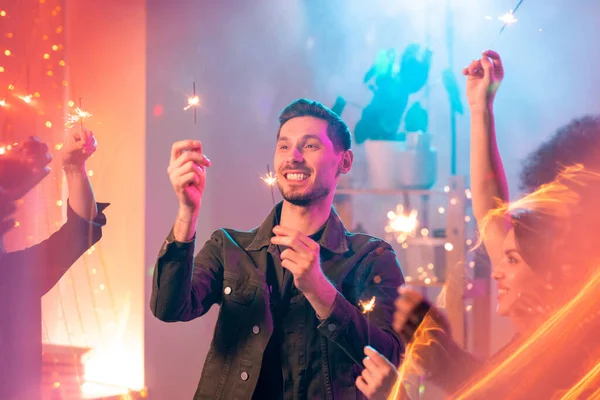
[{"x": 320, "y": 359}]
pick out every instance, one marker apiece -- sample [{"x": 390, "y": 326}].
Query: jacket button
[
  {"x": 331, "y": 327},
  {"x": 244, "y": 376},
  {"x": 227, "y": 290},
  {"x": 256, "y": 329}
]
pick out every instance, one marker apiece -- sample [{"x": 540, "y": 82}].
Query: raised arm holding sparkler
[
  {"x": 187, "y": 172},
  {"x": 29, "y": 273}
]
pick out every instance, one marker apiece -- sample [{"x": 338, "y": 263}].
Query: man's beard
[{"x": 304, "y": 199}]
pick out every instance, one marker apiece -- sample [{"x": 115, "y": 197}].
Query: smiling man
[{"x": 289, "y": 325}]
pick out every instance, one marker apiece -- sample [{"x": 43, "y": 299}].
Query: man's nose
[{"x": 296, "y": 156}]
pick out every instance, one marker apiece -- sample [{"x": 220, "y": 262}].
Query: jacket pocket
[{"x": 238, "y": 290}]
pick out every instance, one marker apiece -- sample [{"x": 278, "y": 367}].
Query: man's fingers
[
  {"x": 282, "y": 231},
  {"x": 190, "y": 178},
  {"x": 190, "y": 166},
  {"x": 496, "y": 62},
  {"x": 486, "y": 64},
  {"x": 179, "y": 147},
  {"x": 362, "y": 385},
  {"x": 375, "y": 356},
  {"x": 371, "y": 365},
  {"x": 188, "y": 156},
  {"x": 368, "y": 376},
  {"x": 494, "y": 56},
  {"x": 292, "y": 242},
  {"x": 474, "y": 67},
  {"x": 290, "y": 254},
  {"x": 289, "y": 265}
]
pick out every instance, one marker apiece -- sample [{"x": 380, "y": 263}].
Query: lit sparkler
[
  {"x": 193, "y": 101},
  {"x": 26, "y": 99},
  {"x": 78, "y": 116},
  {"x": 366, "y": 307},
  {"x": 509, "y": 17},
  {"x": 270, "y": 179},
  {"x": 402, "y": 224}
]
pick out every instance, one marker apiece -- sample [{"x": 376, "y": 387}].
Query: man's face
[{"x": 306, "y": 162}]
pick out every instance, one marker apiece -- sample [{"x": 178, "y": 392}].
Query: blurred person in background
[{"x": 30, "y": 273}]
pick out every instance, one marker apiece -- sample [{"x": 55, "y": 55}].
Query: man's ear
[{"x": 346, "y": 163}]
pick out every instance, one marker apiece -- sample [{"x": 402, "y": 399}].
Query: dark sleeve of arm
[
  {"x": 185, "y": 287},
  {"x": 352, "y": 330},
  {"x": 446, "y": 364},
  {"x": 48, "y": 261}
]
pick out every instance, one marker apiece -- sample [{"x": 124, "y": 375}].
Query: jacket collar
[{"x": 333, "y": 237}]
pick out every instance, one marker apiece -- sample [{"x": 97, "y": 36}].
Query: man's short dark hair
[
  {"x": 337, "y": 129},
  {"x": 578, "y": 142}
]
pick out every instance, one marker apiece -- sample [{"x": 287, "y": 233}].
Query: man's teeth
[
  {"x": 502, "y": 292},
  {"x": 297, "y": 177}
]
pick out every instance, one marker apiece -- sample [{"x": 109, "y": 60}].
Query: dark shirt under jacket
[
  {"x": 319, "y": 359},
  {"x": 26, "y": 276}
]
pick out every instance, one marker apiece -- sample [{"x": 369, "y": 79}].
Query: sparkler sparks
[
  {"x": 193, "y": 102},
  {"x": 366, "y": 307},
  {"x": 401, "y": 223},
  {"x": 509, "y": 17},
  {"x": 26, "y": 99},
  {"x": 270, "y": 179},
  {"x": 78, "y": 116}
]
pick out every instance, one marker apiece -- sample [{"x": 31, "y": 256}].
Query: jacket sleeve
[
  {"x": 352, "y": 330},
  {"x": 185, "y": 287},
  {"x": 432, "y": 349},
  {"x": 48, "y": 261}
]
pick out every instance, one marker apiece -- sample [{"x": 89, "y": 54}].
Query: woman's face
[{"x": 515, "y": 278}]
